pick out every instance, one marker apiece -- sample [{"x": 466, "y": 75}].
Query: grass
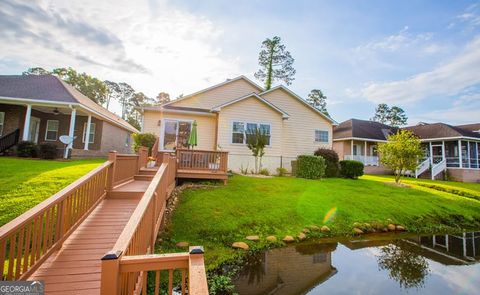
[
  {"x": 26, "y": 182},
  {"x": 217, "y": 217}
]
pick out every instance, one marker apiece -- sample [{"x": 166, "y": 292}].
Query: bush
[
  {"x": 47, "y": 151},
  {"x": 27, "y": 149},
  {"x": 331, "y": 161},
  {"x": 264, "y": 171},
  {"x": 311, "y": 167},
  {"x": 351, "y": 169},
  {"x": 144, "y": 139},
  {"x": 282, "y": 171}
]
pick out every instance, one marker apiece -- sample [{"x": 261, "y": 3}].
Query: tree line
[{"x": 105, "y": 92}]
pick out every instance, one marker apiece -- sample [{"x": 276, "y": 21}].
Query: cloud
[
  {"x": 445, "y": 80},
  {"x": 150, "y": 44}
]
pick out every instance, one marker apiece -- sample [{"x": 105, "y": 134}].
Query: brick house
[{"x": 52, "y": 108}]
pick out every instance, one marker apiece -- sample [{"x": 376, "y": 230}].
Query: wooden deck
[
  {"x": 76, "y": 267},
  {"x": 97, "y": 235}
]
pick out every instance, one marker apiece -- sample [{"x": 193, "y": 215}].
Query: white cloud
[
  {"x": 401, "y": 40},
  {"x": 445, "y": 80},
  {"x": 149, "y": 44}
]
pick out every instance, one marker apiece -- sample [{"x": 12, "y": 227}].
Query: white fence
[{"x": 366, "y": 160}]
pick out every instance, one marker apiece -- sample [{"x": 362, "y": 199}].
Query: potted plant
[{"x": 151, "y": 162}]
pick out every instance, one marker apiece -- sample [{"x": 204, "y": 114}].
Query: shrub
[
  {"x": 282, "y": 171},
  {"x": 144, "y": 139},
  {"x": 244, "y": 171},
  {"x": 351, "y": 169},
  {"x": 47, "y": 151},
  {"x": 311, "y": 167},
  {"x": 27, "y": 149},
  {"x": 331, "y": 161},
  {"x": 264, "y": 171}
]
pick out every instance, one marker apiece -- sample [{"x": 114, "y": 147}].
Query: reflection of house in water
[
  {"x": 289, "y": 270},
  {"x": 451, "y": 249}
]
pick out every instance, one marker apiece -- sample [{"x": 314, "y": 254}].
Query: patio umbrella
[{"x": 193, "y": 138}]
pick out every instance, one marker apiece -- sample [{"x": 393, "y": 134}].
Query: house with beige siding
[
  {"x": 43, "y": 108},
  {"x": 226, "y": 112}
]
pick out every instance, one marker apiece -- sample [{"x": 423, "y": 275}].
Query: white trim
[
  {"x": 449, "y": 138},
  {"x": 163, "y": 110},
  {"x": 215, "y": 86},
  {"x": 245, "y": 130},
  {"x": 71, "y": 131},
  {"x": 359, "y": 139},
  {"x": 56, "y": 131},
  {"x": 87, "y": 138},
  {"x": 285, "y": 115},
  {"x": 301, "y": 100}
]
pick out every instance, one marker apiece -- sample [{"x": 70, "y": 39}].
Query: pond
[{"x": 440, "y": 264}]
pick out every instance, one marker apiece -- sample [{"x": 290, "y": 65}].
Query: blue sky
[{"x": 423, "y": 56}]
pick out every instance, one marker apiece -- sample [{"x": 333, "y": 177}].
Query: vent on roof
[{"x": 422, "y": 123}]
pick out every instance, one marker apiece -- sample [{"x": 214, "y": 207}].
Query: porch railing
[
  {"x": 9, "y": 140},
  {"x": 215, "y": 161},
  {"x": 126, "y": 266},
  {"x": 31, "y": 238},
  {"x": 366, "y": 160},
  {"x": 438, "y": 168},
  {"x": 424, "y": 166}
]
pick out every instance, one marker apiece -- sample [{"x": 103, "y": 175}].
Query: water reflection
[{"x": 441, "y": 264}]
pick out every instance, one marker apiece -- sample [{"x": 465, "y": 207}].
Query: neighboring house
[
  {"x": 450, "y": 148},
  {"x": 43, "y": 108},
  {"x": 358, "y": 140},
  {"x": 226, "y": 112}
]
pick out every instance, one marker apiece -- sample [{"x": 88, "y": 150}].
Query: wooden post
[
  {"x": 142, "y": 157},
  {"x": 197, "y": 278},
  {"x": 110, "y": 275},
  {"x": 112, "y": 157}
]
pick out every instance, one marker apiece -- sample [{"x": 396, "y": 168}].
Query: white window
[
  {"x": 2, "y": 122},
  {"x": 321, "y": 136},
  {"x": 51, "y": 132},
  {"x": 91, "y": 138},
  {"x": 174, "y": 134},
  {"x": 242, "y": 131}
]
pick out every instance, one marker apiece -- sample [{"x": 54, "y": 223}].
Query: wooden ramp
[{"x": 76, "y": 267}]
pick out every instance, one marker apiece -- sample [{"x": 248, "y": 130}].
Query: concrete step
[{"x": 146, "y": 177}]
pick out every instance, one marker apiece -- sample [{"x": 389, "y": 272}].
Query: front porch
[
  {"x": 46, "y": 122},
  {"x": 363, "y": 151}
]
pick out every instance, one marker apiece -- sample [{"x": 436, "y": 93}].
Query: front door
[{"x": 34, "y": 129}]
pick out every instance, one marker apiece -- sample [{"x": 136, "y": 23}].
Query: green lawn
[
  {"x": 26, "y": 182},
  {"x": 217, "y": 217}
]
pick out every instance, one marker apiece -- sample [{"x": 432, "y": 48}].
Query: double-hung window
[
  {"x": 91, "y": 137},
  {"x": 243, "y": 132},
  {"x": 51, "y": 132},
  {"x": 2, "y": 122},
  {"x": 321, "y": 136}
]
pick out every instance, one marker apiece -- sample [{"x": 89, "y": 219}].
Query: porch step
[
  {"x": 148, "y": 171},
  {"x": 130, "y": 190},
  {"x": 145, "y": 177}
]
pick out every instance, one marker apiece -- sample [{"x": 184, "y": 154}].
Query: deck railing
[
  {"x": 366, "y": 160},
  {"x": 29, "y": 239},
  {"x": 215, "y": 161},
  {"x": 125, "y": 267}
]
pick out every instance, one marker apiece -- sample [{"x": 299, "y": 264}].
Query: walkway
[{"x": 76, "y": 267}]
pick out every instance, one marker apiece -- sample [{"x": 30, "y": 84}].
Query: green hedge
[
  {"x": 351, "y": 169},
  {"x": 331, "y": 161},
  {"x": 47, "y": 151},
  {"x": 311, "y": 167},
  {"x": 144, "y": 139},
  {"x": 27, "y": 149}
]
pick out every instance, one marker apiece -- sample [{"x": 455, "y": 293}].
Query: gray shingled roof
[
  {"x": 50, "y": 88},
  {"x": 43, "y": 87},
  {"x": 363, "y": 129},
  {"x": 475, "y": 127},
  {"x": 440, "y": 130}
]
